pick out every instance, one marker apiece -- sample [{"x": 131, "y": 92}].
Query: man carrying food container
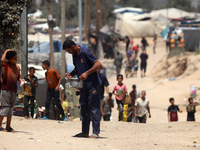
[{"x": 86, "y": 66}]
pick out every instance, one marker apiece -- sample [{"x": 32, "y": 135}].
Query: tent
[
  {"x": 129, "y": 9},
  {"x": 44, "y": 47},
  {"x": 171, "y": 13},
  {"x": 38, "y": 13},
  {"x": 192, "y": 38},
  {"x": 44, "y": 26},
  {"x": 138, "y": 25}
]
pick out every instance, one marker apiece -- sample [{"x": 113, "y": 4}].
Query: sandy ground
[{"x": 157, "y": 134}]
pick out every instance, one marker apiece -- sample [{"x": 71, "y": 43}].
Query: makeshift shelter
[
  {"x": 44, "y": 47},
  {"x": 129, "y": 9},
  {"x": 192, "y": 38},
  {"x": 171, "y": 13},
  {"x": 139, "y": 25},
  {"x": 44, "y": 26}
]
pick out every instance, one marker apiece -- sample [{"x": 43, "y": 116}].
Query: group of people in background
[
  {"x": 131, "y": 63},
  {"x": 93, "y": 103}
]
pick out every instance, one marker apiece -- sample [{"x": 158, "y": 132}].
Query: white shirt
[{"x": 142, "y": 106}]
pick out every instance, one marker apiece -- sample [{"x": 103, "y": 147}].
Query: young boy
[
  {"x": 53, "y": 80},
  {"x": 30, "y": 91},
  {"x": 106, "y": 110},
  {"x": 11, "y": 74},
  {"x": 65, "y": 106},
  {"x": 119, "y": 91},
  {"x": 172, "y": 111},
  {"x": 191, "y": 110}
]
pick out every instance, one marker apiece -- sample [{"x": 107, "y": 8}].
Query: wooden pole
[
  {"x": 63, "y": 60},
  {"x": 80, "y": 20},
  {"x": 105, "y": 12},
  {"x": 98, "y": 11},
  {"x": 50, "y": 22},
  {"x": 86, "y": 19},
  {"x": 24, "y": 52}
]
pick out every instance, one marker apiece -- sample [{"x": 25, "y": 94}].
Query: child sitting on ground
[
  {"x": 172, "y": 111},
  {"x": 191, "y": 110}
]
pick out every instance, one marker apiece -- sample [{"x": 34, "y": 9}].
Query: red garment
[
  {"x": 173, "y": 116},
  {"x": 135, "y": 48},
  {"x": 131, "y": 42},
  {"x": 11, "y": 73}
]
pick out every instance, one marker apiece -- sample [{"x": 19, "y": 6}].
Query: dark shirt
[
  {"x": 190, "y": 113},
  {"x": 29, "y": 89},
  {"x": 144, "y": 42},
  {"x": 173, "y": 112},
  {"x": 144, "y": 58},
  {"x": 83, "y": 62},
  {"x": 104, "y": 83},
  {"x": 174, "y": 108},
  {"x": 133, "y": 95}
]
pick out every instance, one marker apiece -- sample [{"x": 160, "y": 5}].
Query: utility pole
[
  {"x": 98, "y": 16},
  {"x": 50, "y": 23},
  {"x": 105, "y": 12},
  {"x": 87, "y": 19},
  {"x": 63, "y": 60},
  {"x": 24, "y": 52},
  {"x": 80, "y": 21}
]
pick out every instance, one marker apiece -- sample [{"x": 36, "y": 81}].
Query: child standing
[
  {"x": 172, "y": 111},
  {"x": 106, "y": 108},
  {"x": 53, "y": 80},
  {"x": 30, "y": 91},
  {"x": 11, "y": 74},
  {"x": 119, "y": 91},
  {"x": 191, "y": 110},
  {"x": 65, "y": 106}
]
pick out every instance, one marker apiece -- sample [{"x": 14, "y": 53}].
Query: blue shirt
[
  {"x": 104, "y": 82},
  {"x": 83, "y": 62}
]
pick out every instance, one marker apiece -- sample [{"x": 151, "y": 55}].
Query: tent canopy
[
  {"x": 170, "y": 13},
  {"x": 129, "y": 9},
  {"x": 130, "y": 24}
]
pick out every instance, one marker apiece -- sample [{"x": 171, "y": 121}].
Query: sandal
[
  {"x": 1, "y": 128},
  {"x": 10, "y": 130},
  {"x": 81, "y": 135},
  {"x": 94, "y": 136}
]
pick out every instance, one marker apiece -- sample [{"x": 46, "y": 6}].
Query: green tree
[{"x": 10, "y": 12}]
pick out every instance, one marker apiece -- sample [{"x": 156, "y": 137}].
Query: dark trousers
[
  {"x": 106, "y": 117},
  {"x": 26, "y": 104},
  {"x": 118, "y": 69},
  {"x": 90, "y": 109},
  {"x": 143, "y": 66},
  {"x": 142, "y": 119},
  {"x": 51, "y": 93},
  {"x": 120, "y": 106}
]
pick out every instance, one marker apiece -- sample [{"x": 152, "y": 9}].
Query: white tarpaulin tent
[
  {"x": 128, "y": 9},
  {"x": 44, "y": 26},
  {"x": 37, "y": 14},
  {"x": 171, "y": 13},
  {"x": 139, "y": 25}
]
